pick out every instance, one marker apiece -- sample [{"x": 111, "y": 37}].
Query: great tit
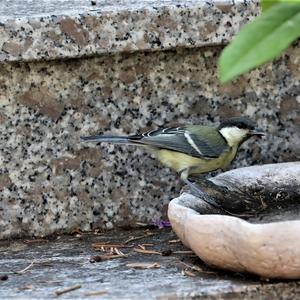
[{"x": 191, "y": 149}]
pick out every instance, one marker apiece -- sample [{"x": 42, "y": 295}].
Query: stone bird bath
[{"x": 258, "y": 229}]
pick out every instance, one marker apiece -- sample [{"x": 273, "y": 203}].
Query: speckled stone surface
[
  {"x": 50, "y": 29},
  {"x": 51, "y": 182}
]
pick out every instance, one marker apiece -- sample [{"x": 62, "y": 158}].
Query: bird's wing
[{"x": 194, "y": 140}]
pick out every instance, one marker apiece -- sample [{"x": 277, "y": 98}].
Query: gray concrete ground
[{"x": 65, "y": 261}]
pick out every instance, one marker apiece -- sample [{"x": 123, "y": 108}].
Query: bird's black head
[
  {"x": 239, "y": 129},
  {"x": 239, "y": 122}
]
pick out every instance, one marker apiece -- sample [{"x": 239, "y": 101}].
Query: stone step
[
  {"x": 72, "y": 68},
  {"x": 49, "y": 29}
]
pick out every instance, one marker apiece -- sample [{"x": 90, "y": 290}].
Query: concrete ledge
[{"x": 49, "y": 29}]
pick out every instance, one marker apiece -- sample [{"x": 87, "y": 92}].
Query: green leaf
[
  {"x": 261, "y": 40},
  {"x": 266, "y": 4}
]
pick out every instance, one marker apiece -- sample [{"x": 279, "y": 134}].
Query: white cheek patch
[{"x": 233, "y": 135}]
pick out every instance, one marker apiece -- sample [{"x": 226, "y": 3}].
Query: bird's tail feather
[{"x": 106, "y": 139}]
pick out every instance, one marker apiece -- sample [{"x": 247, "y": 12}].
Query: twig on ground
[
  {"x": 27, "y": 287},
  {"x": 142, "y": 247},
  {"x": 118, "y": 252},
  {"x": 144, "y": 265},
  {"x": 97, "y": 246},
  {"x": 96, "y": 293},
  {"x": 99, "y": 258},
  {"x": 196, "y": 268},
  {"x": 146, "y": 244},
  {"x": 188, "y": 273},
  {"x": 23, "y": 271},
  {"x": 144, "y": 251},
  {"x": 7, "y": 273},
  {"x": 134, "y": 238},
  {"x": 174, "y": 241},
  {"x": 35, "y": 241},
  {"x": 67, "y": 290}
]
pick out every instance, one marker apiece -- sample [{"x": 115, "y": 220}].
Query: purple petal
[{"x": 161, "y": 223}]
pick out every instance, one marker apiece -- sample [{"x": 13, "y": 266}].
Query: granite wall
[{"x": 51, "y": 182}]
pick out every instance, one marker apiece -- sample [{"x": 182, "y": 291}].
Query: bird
[{"x": 191, "y": 150}]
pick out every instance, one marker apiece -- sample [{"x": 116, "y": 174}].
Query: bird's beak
[{"x": 257, "y": 132}]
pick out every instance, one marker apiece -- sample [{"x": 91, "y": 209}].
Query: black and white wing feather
[{"x": 197, "y": 141}]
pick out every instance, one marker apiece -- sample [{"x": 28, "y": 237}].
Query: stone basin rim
[
  {"x": 268, "y": 249},
  {"x": 178, "y": 201}
]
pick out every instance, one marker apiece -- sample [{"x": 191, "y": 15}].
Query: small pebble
[
  {"x": 3, "y": 277},
  {"x": 166, "y": 252},
  {"x": 96, "y": 258}
]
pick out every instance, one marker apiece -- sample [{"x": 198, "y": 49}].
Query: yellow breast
[{"x": 180, "y": 161}]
